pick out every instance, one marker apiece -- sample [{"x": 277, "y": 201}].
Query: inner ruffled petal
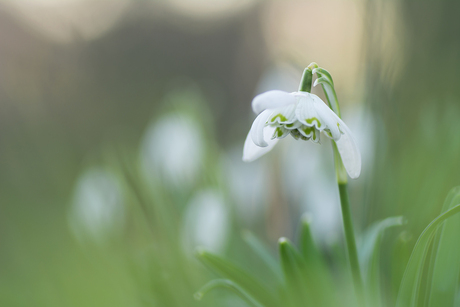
[
  {"x": 280, "y": 133},
  {"x": 293, "y": 126},
  {"x": 283, "y": 116},
  {"x": 296, "y": 135},
  {"x": 307, "y": 114},
  {"x": 310, "y": 133}
]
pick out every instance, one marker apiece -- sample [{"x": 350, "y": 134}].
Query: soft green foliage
[
  {"x": 247, "y": 281},
  {"x": 308, "y": 280},
  {"x": 409, "y": 293},
  {"x": 226, "y": 283},
  {"x": 446, "y": 254},
  {"x": 369, "y": 255}
]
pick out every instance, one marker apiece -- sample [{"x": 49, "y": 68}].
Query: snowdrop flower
[
  {"x": 206, "y": 222},
  {"x": 247, "y": 185},
  {"x": 173, "y": 149},
  {"x": 97, "y": 210},
  {"x": 303, "y": 116}
]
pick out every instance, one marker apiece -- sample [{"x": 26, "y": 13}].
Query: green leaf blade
[
  {"x": 244, "y": 279},
  {"x": 369, "y": 255},
  {"x": 228, "y": 284},
  {"x": 446, "y": 260},
  {"x": 408, "y": 291}
]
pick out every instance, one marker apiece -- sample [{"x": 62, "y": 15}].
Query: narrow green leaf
[
  {"x": 295, "y": 276},
  {"x": 312, "y": 255},
  {"x": 307, "y": 284},
  {"x": 308, "y": 247},
  {"x": 400, "y": 255},
  {"x": 225, "y": 283},
  {"x": 369, "y": 255},
  {"x": 408, "y": 291},
  {"x": 265, "y": 255},
  {"x": 446, "y": 260},
  {"x": 244, "y": 279}
]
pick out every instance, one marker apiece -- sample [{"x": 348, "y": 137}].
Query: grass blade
[
  {"x": 264, "y": 254},
  {"x": 408, "y": 291},
  {"x": 245, "y": 280},
  {"x": 308, "y": 247},
  {"x": 225, "y": 283},
  {"x": 446, "y": 260},
  {"x": 294, "y": 273},
  {"x": 369, "y": 254}
]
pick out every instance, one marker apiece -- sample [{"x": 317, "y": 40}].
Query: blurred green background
[{"x": 122, "y": 125}]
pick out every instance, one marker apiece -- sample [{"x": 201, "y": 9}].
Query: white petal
[
  {"x": 351, "y": 157},
  {"x": 283, "y": 115},
  {"x": 271, "y": 100},
  {"x": 306, "y": 110},
  {"x": 257, "y": 128},
  {"x": 252, "y": 152},
  {"x": 281, "y": 133},
  {"x": 328, "y": 118}
]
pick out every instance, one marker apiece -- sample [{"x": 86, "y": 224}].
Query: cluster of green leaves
[{"x": 303, "y": 276}]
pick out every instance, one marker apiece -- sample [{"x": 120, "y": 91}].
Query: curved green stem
[
  {"x": 325, "y": 79},
  {"x": 348, "y": 227},
  {"x": 350, "y": 239}
]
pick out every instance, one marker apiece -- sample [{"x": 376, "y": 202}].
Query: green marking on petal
[
  {"x": 280, "y": 133},
  {"x": 280, "y": 116},
  {"x": 311, "y": 120},
  {"x": 338, "y": 126},
  {"x": 292, "y": 126},
  {"x": 314, "y": 136},
  {"x": 308, "y": 130},
  {"x": 297, "y": 135}
]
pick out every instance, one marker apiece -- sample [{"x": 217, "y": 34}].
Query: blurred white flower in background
[
  {"x": 172, "y": 148},
  {"x": 206, "y": 222},
  {"x": 247, "y": 184},
  {"x": 311, "y": 183},
  {"x": 97, "y": 210}
]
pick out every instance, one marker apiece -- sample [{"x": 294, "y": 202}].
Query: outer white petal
[
  {"x": 272, "y": 100},
  {"x": 328, "y": 118},
  {"x": 257, "y": 128},
  {"x": 252, "y": 152},
  {"x": 351, "y": 157}
]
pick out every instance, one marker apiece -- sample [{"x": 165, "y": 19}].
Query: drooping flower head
[{"x": 302, "y": 115}]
